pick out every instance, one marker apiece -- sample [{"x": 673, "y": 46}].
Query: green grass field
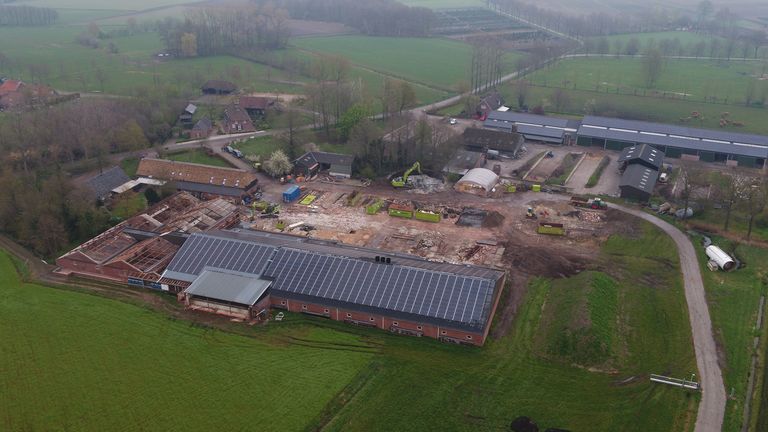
[
  {"x": 74, "y": 361},
  {"x": 733, "y": 302},
  {"x": 437, "y": 62},
  {"x": 69, "y": 351},
  {"x": 685, "y": 38},
  {"x": 695, "y": 79},
  {"x": 72, "y": 67},
  {"x": 198, "y": 156}
]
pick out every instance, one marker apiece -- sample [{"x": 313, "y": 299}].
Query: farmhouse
[
  {"x": 537, "y": 128},
  {"x": 202, "y": 129},
  {"x": 312, "y": 163},
  {"x": 103, "y": 185},
  {"x": 201, "y": 180},
  {"x": 479, "y": 181},
  {"x": 256, "y": 106},
  {"x": 396, "y": 292},
  {"x": 236, "y": 120},
  {"x": 218, "y": 87},
  {"x": 730, "y": 148},
  {"x": 488, "y": 104},
  {"x": 137, "y": 250}
]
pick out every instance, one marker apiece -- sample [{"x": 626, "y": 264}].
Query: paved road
[{"x": 712, "y": 405}]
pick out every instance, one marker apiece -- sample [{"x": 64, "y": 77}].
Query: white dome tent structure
[{"x": 479, "y": 181}]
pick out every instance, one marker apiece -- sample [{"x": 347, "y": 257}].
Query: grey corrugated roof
[
  {"x": 227, "y": 286},
  {"x": 642, "y": 152},
  {"x": 102, "y": 184},
  {"x": 209, "y": 189},
  {"x": 451, "y": 295},
  {"x": 639, "y": 177},
  {"x": 538, "y": 131},
  {"x": 533, "y": 119},
  {"x": 682, "y": 143},
  {"x": 203, "y": 124},
  {"x": 191, "y": 109},
  {"x": 641, "y": 126}
]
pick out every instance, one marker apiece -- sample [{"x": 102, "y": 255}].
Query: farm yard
[{"x": 517, "y": 373}]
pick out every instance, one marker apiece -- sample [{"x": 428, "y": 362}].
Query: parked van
[{"x": 237, "y": 153}]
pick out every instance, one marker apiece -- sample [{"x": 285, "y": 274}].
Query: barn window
[
  {"x": 443, "y": 332},
  {"x": 469, "y": 337},
  {"x": 327, "y": 311},
  {"x": 418, "y": 327},
  {"x": 373, "y": 319},
  {"x": 349, "y": 315},
  {"x": 303, "y": 306},
  {"x": 282, "y": 302},
  {"x": 394, "y": 323}
]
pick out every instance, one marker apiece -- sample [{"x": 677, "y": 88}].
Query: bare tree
[
  {"x": 653, "y": 62},
  {"x": 522, "y": 90},
  {"x": 755, "y": 200}
]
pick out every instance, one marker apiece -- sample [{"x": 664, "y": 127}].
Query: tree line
[
  {"x": 669, "y": 47},
  {"x": 225, "y": 30},
  {"x": 371, "y": 17},
  {"x": 15, "y": 16},
  {"x": 40, "y": 206}
]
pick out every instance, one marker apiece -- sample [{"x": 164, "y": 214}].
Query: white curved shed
[{"x": 477, "y": 180}]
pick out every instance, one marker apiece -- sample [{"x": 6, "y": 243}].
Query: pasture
[
  {"x": 734, "y": 300},
  {"x": 685, "y": 38},
  {"x": 445, "y": 4},
  {"x": 696, "y": 80},
  {"x": 285, "y": 374},
  {"x": 434, "y": 62},
  {"x": 76, "y": 355}
]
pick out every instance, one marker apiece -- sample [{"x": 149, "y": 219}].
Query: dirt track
[{"x": 712, "y": 405}]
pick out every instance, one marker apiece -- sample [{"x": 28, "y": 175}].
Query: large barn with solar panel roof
[{"x": 243, "y": 273}]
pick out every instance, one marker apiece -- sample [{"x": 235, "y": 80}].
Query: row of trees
[
  {"x": 371, "y": 17},
  {"x": 226, "y": 30},
  {"x": 715, "y": 47},
  {"x": 14, "y": 16}
]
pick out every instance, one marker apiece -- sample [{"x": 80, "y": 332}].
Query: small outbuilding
[
  {"x": 256, "y": 106},
  {"x": 312, "y": 163},
  {"x": 201, "y": 129},
  {"x": 228, "y": 293},
  {"x": 480, "y": 181},
  {"x": 637, "y": 182},
  {"x": 102, "y": 185},
  {"x": 218, "y": 87},
  {"x": 641, "y": 154}
]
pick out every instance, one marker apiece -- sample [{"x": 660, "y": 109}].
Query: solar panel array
[
  {"x": 201, "y": 250},
  {"x": 437, "y": 295}
]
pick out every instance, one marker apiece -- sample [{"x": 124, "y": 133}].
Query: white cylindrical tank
[{"x": 723, "y": 260}]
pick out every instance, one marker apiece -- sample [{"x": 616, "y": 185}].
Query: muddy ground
[{"x": 506, "y": 239}]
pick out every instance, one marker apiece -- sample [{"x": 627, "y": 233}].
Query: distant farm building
[
  {"x": 730, "y": 148},
  {"x": 489, "y": 103},
  {"x": 536, "y": 128},
  {"x": 239, "y": 273},
  {"x": 237, "y": 120},
  {"x": 137, "y": 250},
  {"x": 637, "y": 182},
  {"x": 202, "y": 129},
  {"x": 201, "y": 180},
  {"x": 506, "y": 142},
  {"x": 479, "y": 181},
  {"x": 313, "y": 163},
  {"x": 103, "y": 185},
  {"x": 218, "y": 87},
  {"x": 256, "y": 106}
]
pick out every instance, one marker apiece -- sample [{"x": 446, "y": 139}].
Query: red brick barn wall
[
  {"x": 91, "y": 269},
  {"x": 380, "y": 321}
]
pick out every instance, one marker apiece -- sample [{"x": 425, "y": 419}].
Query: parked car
[
  {"x": 229, "y": 149},
  {"x": 237, "y": 153},
  {"x": 453, "y": 121}
]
